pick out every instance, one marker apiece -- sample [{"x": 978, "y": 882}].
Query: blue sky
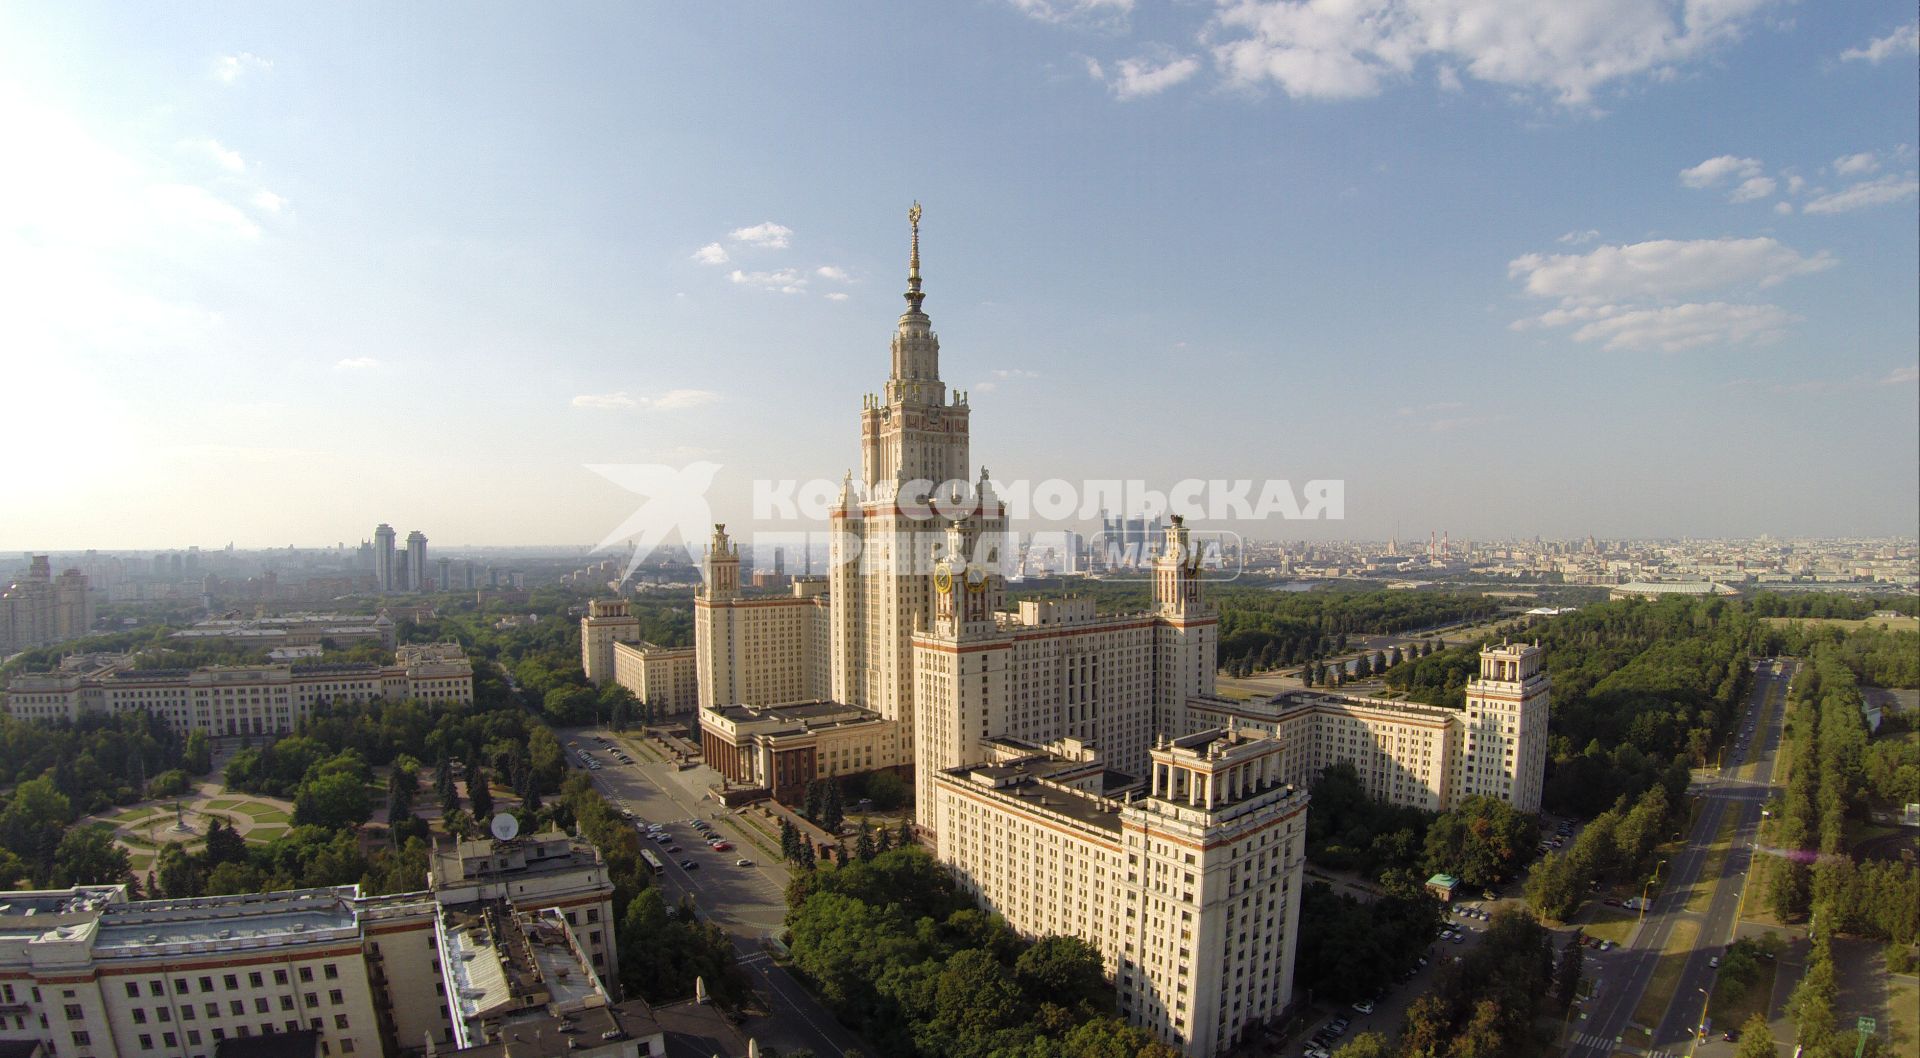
[{"x": 275, "y": 273}]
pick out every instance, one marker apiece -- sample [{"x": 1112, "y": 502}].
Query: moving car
[
  {"x": 689, "y": 865},
  {"x": 743, "y": 862}
]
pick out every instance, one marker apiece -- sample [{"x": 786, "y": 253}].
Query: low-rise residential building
[
  {"x": 235, "y": 699},
  {"x": 783, "y": 748}
]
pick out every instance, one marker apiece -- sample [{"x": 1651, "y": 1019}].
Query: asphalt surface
[
  {"x": 1624, "y": 974},
  {"x": 748, "y": 902}
]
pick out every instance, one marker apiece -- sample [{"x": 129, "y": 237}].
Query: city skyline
[{"x": 1568, "y": 282}]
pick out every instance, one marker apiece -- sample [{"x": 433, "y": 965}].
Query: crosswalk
[{"x": 1606, "y": 1045}]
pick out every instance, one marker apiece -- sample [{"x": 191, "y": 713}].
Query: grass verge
[
  {"x": 1673, "y": 958},
  {"x": 1701, "y": 894}
]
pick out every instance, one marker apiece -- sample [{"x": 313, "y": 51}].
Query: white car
[{"x": 743, "y": 862}]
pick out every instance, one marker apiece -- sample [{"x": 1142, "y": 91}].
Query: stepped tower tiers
[
  {"x": 1505, "y": 755},
  {"x": 885, "y": 539}
]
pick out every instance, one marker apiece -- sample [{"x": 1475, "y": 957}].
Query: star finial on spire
[{"x": 914, "y": 296}]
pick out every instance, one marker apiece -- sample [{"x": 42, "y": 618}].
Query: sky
[{"x": 272, "y": 273}]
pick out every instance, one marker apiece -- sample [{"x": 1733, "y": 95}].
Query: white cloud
[
  {"x": 356, "y": 363},
  {"x": 1716, "y": 170},
  {"x": 837, "y": 296},
  {"x": 268, "y": 201},
  {"x": 1138, "y": 78},
  {"x": 711, "y": 254},
  {"x": 197, "y": 208},
  {"x": 1753, "y": 189},
  {"x": 766, "y": 235},
  {"x": 1886, "y": 189},
  {"x": 1661, "y": 269},
  {"x": 604, "y": 401},
  {"x": 1337, "y": 49},
  {"x": 676, "y": 399},
  {"x": 222, "y": 156},
  {"x": 1673, "y": 328},
  {"x": 1783, "y": 208},
  {"x": 671, "y": 400},
  {"x": 1856, "y": 164},
  {"x": 1004, "y": 374},
  {"x": 1901, "y": 376},
  {"x": 1795, "y": 184},
  {"x": 230, "y": 68},
  {"x": 1902, "y": 41},
  {"x": 1056, "y": 11},
  {"x": 1578, "y": 238},
  {"x": 1633, "y": 296},
  {"x": 784, "y": 280},
  {"x": 1449, "y": 79},
  {"x": 838, "y": 275}
]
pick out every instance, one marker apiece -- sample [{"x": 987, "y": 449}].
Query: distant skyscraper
[
  {"x": 446, "y": 575},
  {"x": 402, "y": 576},
  {"x": 383, "y": 558},
  {"x": 417, "y": 560}
]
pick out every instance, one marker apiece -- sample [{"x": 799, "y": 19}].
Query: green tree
[
  {"x": 479, "y": 794},
  {"x": 198, "y": 757},
  {"x": 230, "y": 878},
  {"x": 88, "y": 856},
  {"x": 224, "y": 844},
  {"x": 1756, "y": 1039},
  {"x": 1566, "y": 979},
  {"x": 1365, "y": 1045},
  {"x": 1480, "y": 842},
  {"x": 334, "y": 800}
]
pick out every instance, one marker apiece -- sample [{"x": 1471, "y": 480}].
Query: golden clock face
[{"x": 942, "y": 578}]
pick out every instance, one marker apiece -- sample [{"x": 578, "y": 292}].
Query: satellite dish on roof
[{"x": 505, "y": 826}]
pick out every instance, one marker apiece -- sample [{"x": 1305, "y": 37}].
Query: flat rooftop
[
  {"x": 225, "y": 923},
  {"x": 1027, "y": 782}
]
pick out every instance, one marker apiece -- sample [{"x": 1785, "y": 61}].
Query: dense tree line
[
  {"x": 1351, "y": 950},
  {"x": 1827, "y": 604},
  {"x": 1269, "y": 629},
  {"x": 1832, "y": 777},
  {"x": 1485, "y": 1005},
  {"x": 1480, "y": 841},
  {"x": 1616, "y": 846},
  {"x": 900, "y": 954}
]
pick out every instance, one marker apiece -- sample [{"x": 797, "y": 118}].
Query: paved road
[
  {"x": 1625, "y": 974},
  {"x": 748, "y": 902}
]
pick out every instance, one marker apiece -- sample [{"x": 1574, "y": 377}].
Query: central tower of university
[{"x": 884, "y": 542}]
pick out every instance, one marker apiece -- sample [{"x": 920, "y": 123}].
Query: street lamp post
[
  {"x": 1700, "y": 1029},
  {"x": 1643, "y": 891}
]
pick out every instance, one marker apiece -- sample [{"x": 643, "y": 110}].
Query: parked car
[
  {"x": 1365, "y": 1006},
  {"x": 743, "y": 862},
  {"x": 689, "y": 865}
]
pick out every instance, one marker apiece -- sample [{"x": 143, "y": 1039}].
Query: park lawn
[
  {"x": 1666, "y": 975},
  {"x": 263, "y": 813},
  {"x": 1607, "y": 923},
  {"x": 263, "y": 835},
  {"x": 225, "y": 802},
  {"x": 1903, "y": 1009}
]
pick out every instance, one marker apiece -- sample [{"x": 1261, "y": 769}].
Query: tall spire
[{"x": 914, "y": 296}]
